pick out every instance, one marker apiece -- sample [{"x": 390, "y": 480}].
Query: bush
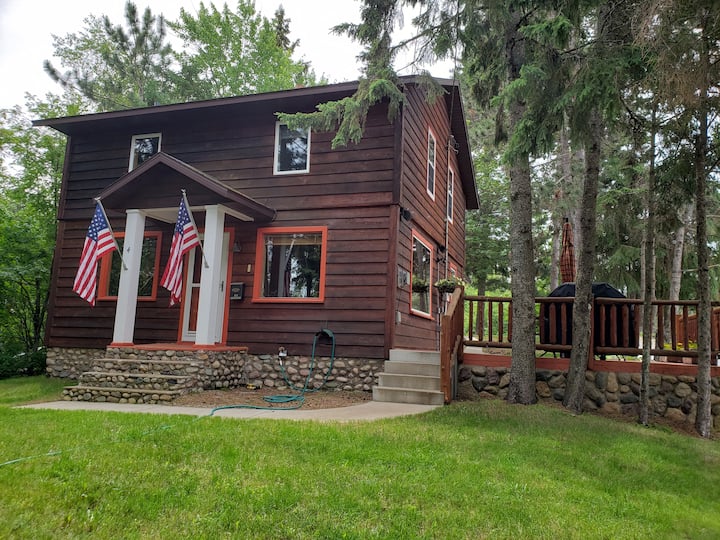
[{"x": 14, "y": 363}]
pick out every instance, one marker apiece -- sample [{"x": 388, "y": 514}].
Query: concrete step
[
  {"x": 416, "y": 382},
  {"x": 413, "y": 356},
  {"x": 412, "y": 368},
  {"x": 406, "y": 395},
  {"x": 117, "y": 395},
  {"x": 142, "y": 381}
]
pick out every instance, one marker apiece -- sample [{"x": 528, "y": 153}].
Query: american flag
[
  {"x": 185, "y": 238},
  {"x": 98, "y": 242}
]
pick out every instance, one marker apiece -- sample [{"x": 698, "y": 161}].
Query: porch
[{"x": 476, "y": 331}]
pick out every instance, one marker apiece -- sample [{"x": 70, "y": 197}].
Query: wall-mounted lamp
[
  {"x": 237, "y": 248},
  {"x": 405, "y": 214}
]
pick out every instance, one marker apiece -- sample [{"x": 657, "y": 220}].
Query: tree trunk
[
  {"x": 687, "y": 214},
  {"x": 582, "y": 306},
  {"x": 703, "y": 419},
  {"x": 522, "y": 257},
  {"x": 648, "y": 282}
]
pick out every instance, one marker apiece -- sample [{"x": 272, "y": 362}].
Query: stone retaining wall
[
  {"x": 219, "y": 369},
  {"x": 674, "y": 397},
  {"x": 71, "y": 363}
]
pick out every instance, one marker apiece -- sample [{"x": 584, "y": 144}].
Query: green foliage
[
  {"x": 349, "y": 114},
  {"x": 30, "y": 174},
  {"x": 227, "y": 53},
  {"x": 469, "y": 470},
  {"x": 116, "y": 67},
  {"x": 14, "y": 363}
]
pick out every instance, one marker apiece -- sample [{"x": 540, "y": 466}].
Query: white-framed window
[
  {"x": 142, "y": 147},
  {"x": 450, "y": 195},
  {"x": 431, "y": 151},
  {"x": 421, "y": 276},
  {"x": 292, "y": 150}
]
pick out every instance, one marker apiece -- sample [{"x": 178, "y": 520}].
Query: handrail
[
  {"x": 451, "y": 338},
  {"x": 616, "y": 325}
]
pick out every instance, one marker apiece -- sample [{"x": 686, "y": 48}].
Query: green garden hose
[{"x": 298, "y": 399}]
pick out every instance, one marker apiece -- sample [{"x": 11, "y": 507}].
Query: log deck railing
[
  {"x": 616, "y": 335},
  {"x": 615, "y": 326}
]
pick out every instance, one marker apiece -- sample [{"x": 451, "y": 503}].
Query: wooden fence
[{"x": 616, "y": 326}]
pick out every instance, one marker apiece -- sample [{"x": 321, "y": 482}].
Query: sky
[{"x": 27, "y": 26}]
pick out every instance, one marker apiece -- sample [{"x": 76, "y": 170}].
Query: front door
[{"x": 192, "y": 293}]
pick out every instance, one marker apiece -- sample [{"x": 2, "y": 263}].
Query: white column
[
  {"x": 211, "y": 278},
  {"x": 129, "y": 278}
]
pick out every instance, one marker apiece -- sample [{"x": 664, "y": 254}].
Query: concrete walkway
[{"x": 371, "y": 410}]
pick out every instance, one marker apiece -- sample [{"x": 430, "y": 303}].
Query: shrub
[{"x": 14, "y": 363}]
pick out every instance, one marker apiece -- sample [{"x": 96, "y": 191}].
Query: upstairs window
[
  {"x": 142, "y": 148},
  {"x": 431, "y": 165},
  {"x": 450, "y": 195},
  {"x": 421, "y": 276},
  {"x": 110, "y": 266},
  {"x": 292, "y": 150},
  {"x": 290, "y": 264}
]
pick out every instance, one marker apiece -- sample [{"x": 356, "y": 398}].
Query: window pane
[
  {"x": 147, "y": 268},
  {"x": 431, "y": 165},
  {"x": 144, "y": 148},
  {"x": 292, "y": 265},
  {"x": 421, "y": 277},
  {"x": 292, "y": 150}
]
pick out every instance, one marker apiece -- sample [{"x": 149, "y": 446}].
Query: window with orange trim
[
  {"x": 421, "y": 276},
  {"x": 290, "y": 264},
  {"x": 149, "y": 267}
]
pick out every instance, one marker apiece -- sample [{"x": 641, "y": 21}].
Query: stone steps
[
  {"x": 119, "y": 395},
  {"x": 141, "y": 381},
  {"x": 410, "y": 377},
  {"x": 137, "y": 379}
]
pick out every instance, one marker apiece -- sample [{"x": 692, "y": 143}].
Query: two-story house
[{"x": 296, "y": 236}]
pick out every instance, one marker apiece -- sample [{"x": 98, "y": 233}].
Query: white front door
[{"x": 192, "y": 293}]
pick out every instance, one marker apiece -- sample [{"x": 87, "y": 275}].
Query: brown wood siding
[
  {"x": 348, "y": 190},
  {"x": 429, "y": 215}
]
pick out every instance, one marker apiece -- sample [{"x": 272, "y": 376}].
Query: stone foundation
[
  {"x": 673, "y": 397},
  {"x": 213, "y": 369}
]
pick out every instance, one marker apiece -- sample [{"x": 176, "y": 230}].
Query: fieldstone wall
[
  {"x": 347, "y": 373},
  {"x": 673, "y": 397},
  {"x": 211, "y": 369},
  {"x": 71, "y": 363}
]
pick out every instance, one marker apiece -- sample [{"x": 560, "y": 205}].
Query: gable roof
[
  {"x": 156, "y": 185},
  {"x": 299, "y": 99}
]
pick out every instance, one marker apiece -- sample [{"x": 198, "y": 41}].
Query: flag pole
[
  {"x": 202, "y": 251},
  {"x": 117, "y": 247}
]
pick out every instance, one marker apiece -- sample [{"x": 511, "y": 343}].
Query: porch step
[
  {"x": 407, "y": 395},
  {"x": 410, "y": 377},
  {"x": 118, "y": 395},
  {"x": 415, "y": 357},
  {"x": 417, "y": 382},
  {"x": 135, "y": 380}
]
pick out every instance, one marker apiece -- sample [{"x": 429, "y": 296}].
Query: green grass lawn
[{"x": 469, "y": 470}]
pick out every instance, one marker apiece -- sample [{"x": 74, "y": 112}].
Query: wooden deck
[{"x": 617, "y": 340}]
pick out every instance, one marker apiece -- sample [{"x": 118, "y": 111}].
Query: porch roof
[{"x": 155, "y": 187}]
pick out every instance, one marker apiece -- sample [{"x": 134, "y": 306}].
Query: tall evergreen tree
[{"x": 116, "y": 67}]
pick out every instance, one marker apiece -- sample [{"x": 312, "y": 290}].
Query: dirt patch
[{"x": 322, "y": 399}]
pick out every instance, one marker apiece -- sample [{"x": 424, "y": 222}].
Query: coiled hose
[{"x": 297, "y": 399}]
